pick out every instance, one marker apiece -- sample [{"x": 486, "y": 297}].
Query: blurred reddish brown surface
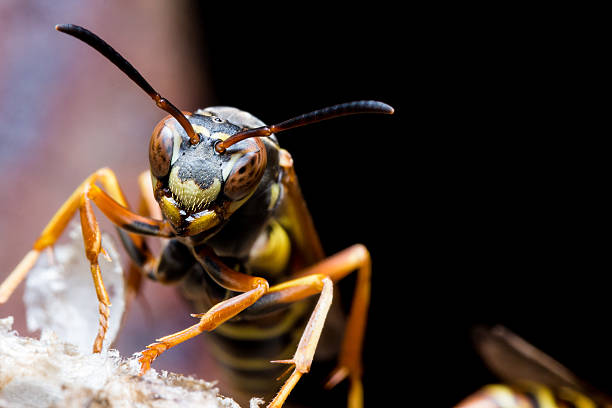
[{"x": 65, "y": 112}]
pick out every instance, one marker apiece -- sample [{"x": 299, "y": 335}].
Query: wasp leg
[
  {"x": 18, "y": 274},
  {"x": 253, "y": 287},
  {"x": 302, "y": 359},
  {"x": 119, "y": 215},
  {"x": 93, "y": 247},
  {"x": 353, "y": 258},
  {"x": 136, "y": 245},
  {"x": 148, "y": 204},
  {"x": 114, "y": 207},
  {"x": 144, "y": 263},
  {"x": 295, "y": 217},
  {"x": 309, "y": 283}
]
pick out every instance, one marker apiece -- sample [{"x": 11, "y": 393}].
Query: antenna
[
  {"x": 331, "y": 112},
  {"x": 113, "y": 56}
]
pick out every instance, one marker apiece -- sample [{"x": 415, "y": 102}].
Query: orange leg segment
[
  {"x": 312, "y": 280},
  {"x": 316, "y": 279},
  {"x": 353, "y": 258},
  {"x": 216, "y": 315},
  {"x": 144, "y": 262},
  {"x": 93, "y": 247},
  {"x": 112, "y": 205},
  {"x": 253, "y": 287},
  {"x": 304, "y": 354},
  {"x": 300, "y": 227}
]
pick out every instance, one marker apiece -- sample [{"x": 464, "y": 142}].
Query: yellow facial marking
[
  {"x": 202, "y": 222},
  {"x": 227, "y": 168},
  {"x": 191, "y": 195},
  {"x": 170, "y": 210},
  {"x": 220, "y": 135},
  {"x": 201, "y": 129},
  {"x": 176, "y": 147}
]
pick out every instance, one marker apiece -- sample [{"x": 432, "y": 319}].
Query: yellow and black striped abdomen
[
  {"x": 266, "y": 331},
  {"x": 527, "y": 396}
]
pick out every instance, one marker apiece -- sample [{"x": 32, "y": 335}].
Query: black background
[
  {"x": 479, "y": 199},
  {"x": 470, "y": 198}
]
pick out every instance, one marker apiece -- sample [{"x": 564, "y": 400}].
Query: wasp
[
  {"x": 532, "y": 379},
  {"x": 240, "y": 239}
]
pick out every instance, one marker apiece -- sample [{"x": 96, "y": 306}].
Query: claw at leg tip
[{"x": 144, "y": 366}]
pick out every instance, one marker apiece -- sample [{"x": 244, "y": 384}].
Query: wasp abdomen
[{"x": 526, "y": 396}]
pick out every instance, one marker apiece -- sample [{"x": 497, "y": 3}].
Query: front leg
[
  {"x": 253, "y": 287},
  {"x": 114, "y": 206}
]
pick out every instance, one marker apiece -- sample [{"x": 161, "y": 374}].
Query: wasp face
[{"x": 196, "y": 186}]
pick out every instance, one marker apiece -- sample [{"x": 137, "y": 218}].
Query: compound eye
[
  {"x": 161, "y": 149},
  {"x": 247, "y": 169}
]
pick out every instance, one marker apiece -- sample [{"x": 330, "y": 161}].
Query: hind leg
[{"x": 318, "y": 279}]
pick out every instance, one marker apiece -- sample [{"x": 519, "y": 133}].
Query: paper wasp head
[
  {"x": 196, "y": 176},
  {"x": 203, "y": 165}
]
